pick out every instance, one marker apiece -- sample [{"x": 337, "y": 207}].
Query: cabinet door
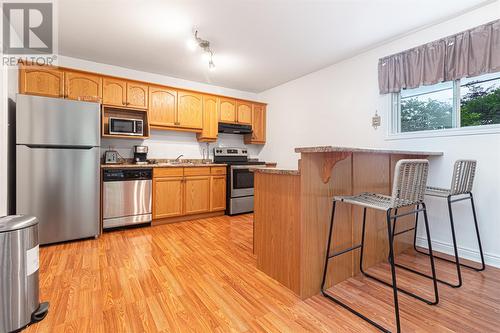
[
  {"x": 217, "y": 193},
  {"x": 137, "y": 95},
  {"x": 189, "y": 109},
  {"x": 168, "y": 197},
  {"x": 227, "y": 110},
  {"x": 210, "y": 124},
  {"x": 258, "y": 135},
  {"x": 244, "y": 113},
  {"x": 41, "y": 80},
  {"x": 162, "y": 106},
  {"x": 114, "y": 91},
  {"x": 197, "y": 194},
  {"x": 82, "y": 86}
]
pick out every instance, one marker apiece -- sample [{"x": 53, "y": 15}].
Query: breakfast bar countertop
[{"x": 339, "y": 149}]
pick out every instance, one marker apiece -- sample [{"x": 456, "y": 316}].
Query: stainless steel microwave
[{"x": 126, "y": 126}]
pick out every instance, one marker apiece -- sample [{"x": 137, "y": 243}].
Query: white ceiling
[{"x": 258, "y": 44}]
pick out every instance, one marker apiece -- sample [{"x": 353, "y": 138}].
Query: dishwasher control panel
[{"x": 127, "y": 174}]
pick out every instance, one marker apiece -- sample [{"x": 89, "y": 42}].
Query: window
[{"x": 467, "y": 102}]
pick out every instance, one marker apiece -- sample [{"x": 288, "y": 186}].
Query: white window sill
[{"x": 463, "y": 131}]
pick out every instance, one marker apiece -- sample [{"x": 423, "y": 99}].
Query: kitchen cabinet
[
  {"x": 196, "y": 194},
  {"x": 227, "y": 110},
  {"x": 41, "y": 80},
  {"x": 118, "y": 92},
  {"x": 181, "y": 192},
  {"x": 162, "y": 106},
  {"x": 82, "y": 86},
  {"x": 189, "y": 110},
  {"x": 244, "y": 113},
  {"x": 137, "y": 95},
  {"x": 114, "y": 91},
  {"x": 258, "y": 135},
  {"x": 168, "y": 197},
  {"x": 217, "y": 192},
  {"x": 210, "y": 128}
]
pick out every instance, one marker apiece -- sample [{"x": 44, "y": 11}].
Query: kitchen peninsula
[{"x": 293, "y": 207}]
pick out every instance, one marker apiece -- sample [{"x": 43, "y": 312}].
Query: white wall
[{"x": 334, "y": 106}]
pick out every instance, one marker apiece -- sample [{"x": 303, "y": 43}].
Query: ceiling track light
[{"x": 205, "y": 46}]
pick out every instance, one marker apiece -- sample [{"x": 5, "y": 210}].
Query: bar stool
[
  {"x": 461, "y": 189},
  {"x": 407, "y": 191}
]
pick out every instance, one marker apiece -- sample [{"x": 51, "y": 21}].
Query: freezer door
[
  {"x": 61, "y": 188},
  {"x": 56, "y": 122}
]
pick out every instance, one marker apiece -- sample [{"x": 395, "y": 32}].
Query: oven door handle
[{"x": 248, "y": 166}]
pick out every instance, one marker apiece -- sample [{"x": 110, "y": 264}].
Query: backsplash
[{"x": 170, "y": 144}]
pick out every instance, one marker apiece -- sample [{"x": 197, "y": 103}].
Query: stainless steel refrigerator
[{"x": 57, "y": 166}]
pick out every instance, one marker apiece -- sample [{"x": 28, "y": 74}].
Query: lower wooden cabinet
[
  {"x": 188, "y": 191},
  {"x": 196, "y": 195},
  {"x": 168, "y": 197},
  {"x": 218, "y": 193}
]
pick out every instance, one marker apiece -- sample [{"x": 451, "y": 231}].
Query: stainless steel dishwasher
[{"x": 126, "y": 197}]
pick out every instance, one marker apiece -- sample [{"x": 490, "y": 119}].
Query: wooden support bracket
[{"x": 329, "y": 161}]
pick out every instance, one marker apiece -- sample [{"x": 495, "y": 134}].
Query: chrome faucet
[{"x": 178, "y": 157}]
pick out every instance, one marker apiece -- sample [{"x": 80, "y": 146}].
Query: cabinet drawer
[
  {"x": 218, "y": 170},
  {"x": 197, "y": 171},
  {"x": 167, "y": 172}
]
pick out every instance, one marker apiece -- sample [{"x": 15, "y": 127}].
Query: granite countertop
[
  {"x": 129, "y": 164},
  {"x": 331, "y": 149}
]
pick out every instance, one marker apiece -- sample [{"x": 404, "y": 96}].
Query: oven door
[{"x": 241, "y": 180}]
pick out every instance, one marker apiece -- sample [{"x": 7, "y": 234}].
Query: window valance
[{"x": 469, "y": 53}]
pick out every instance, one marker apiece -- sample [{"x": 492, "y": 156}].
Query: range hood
[{"x": 235, "y": 128}]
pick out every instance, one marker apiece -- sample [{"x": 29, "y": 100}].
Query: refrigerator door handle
[{"x": 58, "y": 147}]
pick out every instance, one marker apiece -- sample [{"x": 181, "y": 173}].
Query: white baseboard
[{"x": 466, "y": 253}]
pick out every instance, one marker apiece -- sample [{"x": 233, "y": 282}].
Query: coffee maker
[{"x": 140, "y": 154}]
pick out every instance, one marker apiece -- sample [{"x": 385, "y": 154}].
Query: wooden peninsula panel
[{"x": 293, "y": 211}]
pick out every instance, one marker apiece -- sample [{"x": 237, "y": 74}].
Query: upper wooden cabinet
[
  {"x": 189, "y": 109},
  {"x": 258, "y": 135},
  {"x": 114, "y": 91},
  {"x": 227, "y": 110},
  {"x": 82, "y": 86},
  {"x": 137, "y": 95},
  {"x": 162, "y": 106},
  {"x": 210, "y": 124},
  {"x": 41, "y": 80},
  {"x": 118, "y": 92},
  {"x": 244, "y": 113},
  {"x": 167, "y": 108}
]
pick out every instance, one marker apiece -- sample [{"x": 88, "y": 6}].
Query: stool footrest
[
  {"x": 344, "y": 251},
  {"x": 404, "y": 231}
]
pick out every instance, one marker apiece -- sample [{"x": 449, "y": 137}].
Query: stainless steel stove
[{"x": 239, "y": 194}]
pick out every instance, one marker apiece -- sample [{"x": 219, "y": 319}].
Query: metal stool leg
[
  {"x": 393, "y": 270},
  {"x": 455, "y": 249},
  {"x": 325, "y": 270},
  {"x": 391, "y": 240},
  {"x": 483, "y": 266}
]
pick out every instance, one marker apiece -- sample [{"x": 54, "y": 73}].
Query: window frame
[{"x": 394, "y": 116}]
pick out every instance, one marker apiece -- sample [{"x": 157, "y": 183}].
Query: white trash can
[{"x": 19, "y": 284}]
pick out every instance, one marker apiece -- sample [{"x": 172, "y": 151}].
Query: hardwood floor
[{"x": 201, "y": 276}]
